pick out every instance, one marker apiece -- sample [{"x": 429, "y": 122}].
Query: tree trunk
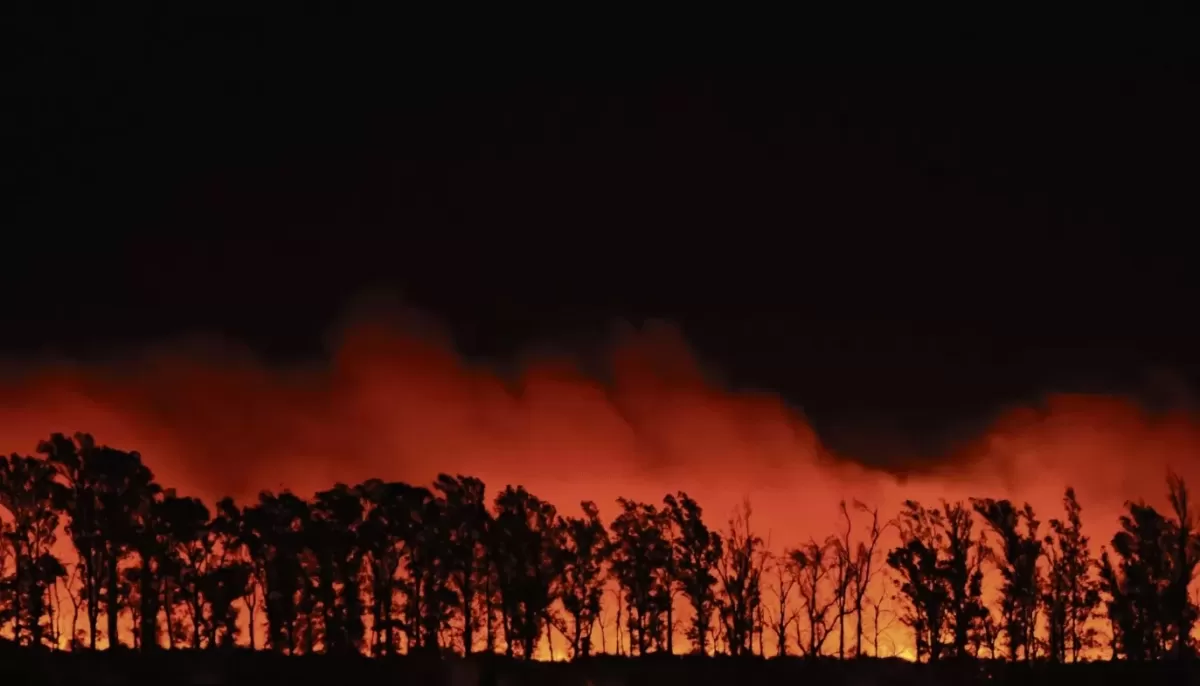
[
  {"x": 506, "y": 622},
  {"x": 858, "y": 627},
  {"x": 91, "y": 582},
  {"x": 196, "y": 626},
  {"x": 54, "y": 613},
  {"x": 112, "y": 605},
  {"x": 468, "y": 594},
  {"x": 390, "y": 624},
  {"x": 38, "y": 606},
  {"x": 577, "y": 638},
  {"x": 842, "y": 628},
  {"x": 149, "y": 611},
  {"x": 670, "y": 626},
  {"x": 877, "y": 631},
  {"x": 376, "y": 622},
  {"x": 74, "y": 618},
  {"x": 93, "y": 613},
  {"x": 251, "y": 607},
  {"x": 328, "y": 614},
  {"x": 169, "y": 609},
  {"x": 432, "y": 612},
  {"x": 530, "y": 640},
  {"x": 490, "y": 616},
  {"x": 16, "y": 596},
  {"x": 620, "y": 641},
  {"x": 642, "y": 641}
]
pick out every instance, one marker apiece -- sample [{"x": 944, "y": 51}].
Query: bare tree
[
  {"x": 782, "y": 615},
  {"x": 740, "y": 573},
  {"x": 865, "y": 556},
  {"x": 813, "y": 565},
  {"x": 877, "y": 613},
  {"x": 844, "y": 572}
]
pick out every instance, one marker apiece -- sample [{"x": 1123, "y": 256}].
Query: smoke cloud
[{"x": 392, "y": 399}]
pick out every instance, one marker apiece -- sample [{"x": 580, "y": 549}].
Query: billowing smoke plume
[{"x": 394, "y": 400}]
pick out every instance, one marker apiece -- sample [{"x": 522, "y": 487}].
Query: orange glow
[{"x": 394, "y": 401}]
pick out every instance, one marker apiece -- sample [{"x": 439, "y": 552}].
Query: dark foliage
[{"x": 383, "y": 569}]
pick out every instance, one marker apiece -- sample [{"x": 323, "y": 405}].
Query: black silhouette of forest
[{"x": 395, "y": 578}]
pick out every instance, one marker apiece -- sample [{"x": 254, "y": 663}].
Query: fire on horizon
[
  {"x": 828, "y": 285},
  {"x": 398, "y": 406}
]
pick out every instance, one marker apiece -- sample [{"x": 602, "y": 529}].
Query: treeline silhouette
[{"x": 384, "y": 568}]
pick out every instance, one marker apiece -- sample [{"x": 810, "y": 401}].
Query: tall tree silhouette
[
  {"x": 670, "y": 578},
  {"x": 525, "y": 537},
  {"x": 243, "y": 550},
  {"x": 844, "y": 573},
  {"x": 865, "y": 567},
  {"x": 1185, "y": 555},
  {"x": 193, "y": 549},
  {"x": 916, "y": 561},
  {"x": 29, "y": 492},
  {"x": 430, "y": 568},
  {"x": 1071, "y": 593},
  {"x": 939, "y": 584},
  {"x": 962, "y": 568},
  {"x": 740, "y": 573},
  {"x": 71, "y": 458},
  {"x": 425, "y": 571},
  {"x": 1133, "y": 584},
  {"x": 169, "y": 531},
  {"x": 781, "y": 615},
  {"x": 273, "y": 529},
  {"x": 698, "y": 551},
  {"x": 1018, "y": 556},
  {"x": 107, "y": 487},
  {"x": 579, "y": 565},
  {"x": 333, "y": 538},
  {"x": 228, "y": 579},
  {"x": 640, "y": 560},
  {"x": 812, "y": 567},
  {"x": 150, "y": 536},
  {"x": 465, "y": 508},
  {"x": 124, "y": 484},
  {"x": 1148, "y": 605},
  {"x": 391, "y": 514}
]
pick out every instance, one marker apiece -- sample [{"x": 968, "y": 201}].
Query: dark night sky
[{"x": 902, "y": 247}]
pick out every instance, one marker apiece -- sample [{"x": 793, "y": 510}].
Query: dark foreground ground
[{"x": 243, "y": 667}]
